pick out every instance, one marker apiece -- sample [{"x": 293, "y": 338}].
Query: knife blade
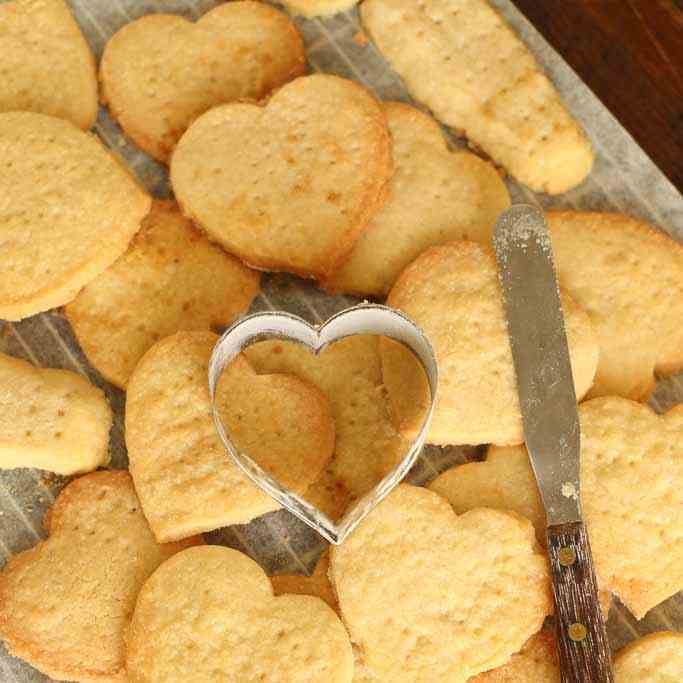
[{"x": 538, "y": 342}]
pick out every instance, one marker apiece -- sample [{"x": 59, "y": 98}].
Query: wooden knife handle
[{"x": 582, "y": 640}]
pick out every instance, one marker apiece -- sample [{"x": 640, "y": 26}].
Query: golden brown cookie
[
  {"x": 428, "y": 595},
  {"x": 435, "y": 196},
  {"x": 51, "y": 419},
  {"x": 292, "y": 184},
  {"x": 185, "y": 479},
  {"x": 461, "y": 59},
  {"x": 171, "y": 278},
  {"x": 209, "y": 614},
  {"x": 65, "y": 604},
  {"x": 628, "y": 276},
  {"x": 367, "y": 445},
  {"x": 452, "y": 293},
  {"x": 47, "y": 66},
  {"x": 631, "y": 482},
  {"x": 160, "y": 72},
  {"x": 656, "y": 658},
  {"x": 72, "y": 213}
]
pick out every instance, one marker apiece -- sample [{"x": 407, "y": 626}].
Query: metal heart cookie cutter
[{"x": 364, "y": 319}]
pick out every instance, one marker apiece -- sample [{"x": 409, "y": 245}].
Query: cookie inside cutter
[{"x": 370, "y": 319}]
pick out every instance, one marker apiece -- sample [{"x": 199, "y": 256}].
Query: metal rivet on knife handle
[
  {"x": 567, "y": 556},
  {"x": 577, "y": 632}
]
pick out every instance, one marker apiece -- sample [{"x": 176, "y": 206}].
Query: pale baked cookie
[
  {"x": 428, "y": 595},
  {"x": 65, "y": 604},
  {"x": 51, "y": 419},
  {"x": 317, "y": 584},
  {"x": 161, "y": 72},
  {"x": 209, "y": 614},
  {"x": 47, "y": 66},
  {"x": 536, "y": 662},
  {"x": 631, "y": 482},
  {"x": 317, "y": 8},
  {"x": 504, "y": 481},
  {"x": 367, "y": 445},
  {"x": 628, "y": 276},
  {"x": 452, "y": 293},
  {"x": 435, "y": 196},
  {"x": 656, "y": 658},
  {"x": 171, "y": 278},
  {"x": 293, "y": 183},
  {"x": 461, "y": 59},
  {"x": 72, "y": 213},
  {"x": 185, "y": 479}
]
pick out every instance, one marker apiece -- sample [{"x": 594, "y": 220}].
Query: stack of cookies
[{"x": 275, "y": 169}]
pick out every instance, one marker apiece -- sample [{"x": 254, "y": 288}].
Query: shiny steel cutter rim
[{"x": 363, "y": 319}]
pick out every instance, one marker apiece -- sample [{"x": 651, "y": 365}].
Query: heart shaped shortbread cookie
[
  {"x": 47, "y": 66},
  {"x": 69, "y": 210},
  {"x": 628, "y": 277},
  {"x": 289, "y": 186},
  {"x": 51, "y": 419},
  {"x": 452, "y": 293},
  {"x": 435, "y": 195},
  {"x": 182, "y": 473},
  {"x": 161, "y": 72},
  {"x": 171, "y": 278},
  {"x": 209, "y": 615},
  {"x": 428, "y": 595},
  {"x": 631, "y": 483},
  {"x": 65, "y": 604},
  {"x": 656, "y": 658}
]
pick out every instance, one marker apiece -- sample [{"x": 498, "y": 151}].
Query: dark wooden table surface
[{"x": 630, "y": 53}]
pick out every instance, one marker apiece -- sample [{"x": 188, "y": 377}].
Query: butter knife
[{"x": 535, "y": 323}]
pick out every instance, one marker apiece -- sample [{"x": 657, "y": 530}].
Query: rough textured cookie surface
[
  {"x": 185, "y": 479},
  {"x": 435, "y": 196},
  {"x": 367, "y": 445},
  {"x": 428, "y": 595},
  {"x": 631, "y": 482},
  {"x": 70, "y": 212},
  {"x": 294, "y": 183},
  {"x": 656, "y": 658},
  {"x": 628, "y": 276},
  {"x": 452, "y": 293},
  {"x": 536, "y": 662},
  {"x": 51, "y": 419},
  {"x": 317, "y": 8},
  {"x": 461, "y": 59},
  {"x": 65, "y": 604},
  {"x": 209, "y": 615},
  {"x": 237, "y": 51},
  {"x": 171, "y": 278},
  {"x": 47, "y": 66}
]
